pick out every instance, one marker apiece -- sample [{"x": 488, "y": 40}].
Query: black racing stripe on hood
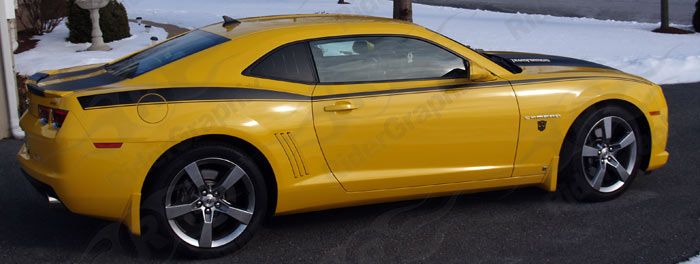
[
  {"x": 186, "y": 94},
  {"x": 79, "y": 84},
  {"x": 533, "y": 59}
]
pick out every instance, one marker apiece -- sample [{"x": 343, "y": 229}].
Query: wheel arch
[
  {"x": 639, "y": 117},
  {"x": 260, "y": 159}
]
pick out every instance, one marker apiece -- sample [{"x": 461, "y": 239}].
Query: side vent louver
[{"x": 296, "y": 160}]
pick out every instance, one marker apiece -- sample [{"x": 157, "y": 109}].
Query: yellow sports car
[{"x": 212, "y": 131}]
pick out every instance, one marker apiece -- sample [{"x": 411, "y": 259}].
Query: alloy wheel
[
  {"x": 210, "y": 202},
  {"x": 609, "y": 154}
]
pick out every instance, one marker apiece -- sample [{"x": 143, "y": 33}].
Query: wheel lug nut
[
  {"x": 216, "y": 193},
  {"x": 199, "y": 203},
  {"x": 217, "y": 204},
  {"x": 207, "y": 210},
  {"x": 204, "y": 192}
]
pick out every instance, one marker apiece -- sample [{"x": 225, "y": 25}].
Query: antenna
[{"x": 229, "y": 21}]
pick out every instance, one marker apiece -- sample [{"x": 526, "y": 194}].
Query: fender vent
[{"x": 296, "y": 160}]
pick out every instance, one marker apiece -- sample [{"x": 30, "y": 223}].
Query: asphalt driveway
[{"x": 656, "y": 221}]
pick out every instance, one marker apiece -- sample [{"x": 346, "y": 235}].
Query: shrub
[
  {"x": 696, "y": 17},
  {"x": 41, "y": 16},
  {"x": 114, "y": 22}
]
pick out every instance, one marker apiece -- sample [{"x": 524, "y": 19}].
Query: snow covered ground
[
  {"x": 628, "y": 46},
  {"x": 54, "y": 52},
  {"x": 693, "y": 260}
]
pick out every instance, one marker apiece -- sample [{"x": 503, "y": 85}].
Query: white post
[{"x": 7, "y": 11}]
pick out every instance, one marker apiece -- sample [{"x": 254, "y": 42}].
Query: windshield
[
  {"x": 503, "y": 62},
  {"x": 165, "y": 53}
]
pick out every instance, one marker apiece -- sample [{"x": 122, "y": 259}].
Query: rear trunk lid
[{"x": 59, "y": 83}]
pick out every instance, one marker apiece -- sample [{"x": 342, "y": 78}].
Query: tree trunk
[
  {"x": 664, "y": 15},
  {"x": 696, "y": 17},
  {"x": 403, "y": 10}
]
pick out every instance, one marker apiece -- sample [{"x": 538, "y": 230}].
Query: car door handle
[{"x": 339, "y": 107}]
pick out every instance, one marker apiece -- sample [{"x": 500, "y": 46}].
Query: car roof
[{"x": 301, "y": 21}]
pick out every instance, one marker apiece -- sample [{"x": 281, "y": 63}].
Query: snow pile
[
  {"x": 54, "y": 52},
  {"x": 628, "y": 46}
]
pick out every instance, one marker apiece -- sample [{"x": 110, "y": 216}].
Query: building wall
[{"x": 4, "y": 113}]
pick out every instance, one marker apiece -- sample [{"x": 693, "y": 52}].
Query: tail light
[
  {"x": 57, "y": 117},
  {"x": 44, "y": 113},
  {"x": 53, "y": 115}
]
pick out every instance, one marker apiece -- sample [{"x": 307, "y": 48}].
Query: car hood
[{"x": 541, "y": 63}]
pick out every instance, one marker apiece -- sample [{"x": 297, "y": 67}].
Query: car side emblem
[{"x": 541, "y": 125}]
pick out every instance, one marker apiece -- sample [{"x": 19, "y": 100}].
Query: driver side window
[{"x": 375, "y": 59}]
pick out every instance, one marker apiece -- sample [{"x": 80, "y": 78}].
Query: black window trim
[{"x": 248, "y": 70}]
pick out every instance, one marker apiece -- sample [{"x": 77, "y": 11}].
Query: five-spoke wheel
[
  {"x": 207, "y": 200},
  {"x": 600, "y": 157},
  {"x": 209, "y": 195},
  {"x": 609, "y": 154}
]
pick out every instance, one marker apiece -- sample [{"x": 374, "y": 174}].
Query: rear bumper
[
  {"x": 69, "y": 189},
  {"x": 43, "y": 189}
]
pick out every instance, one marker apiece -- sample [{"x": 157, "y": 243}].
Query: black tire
[
  {"x": 574, "y": 181},
  {"x": 157, "y": 232}
]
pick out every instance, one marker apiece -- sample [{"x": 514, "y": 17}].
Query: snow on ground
[
  {"x": 693, "y": 260},
  {"x": 54, "y": 52},
  {"x": 628, "y": 46}
]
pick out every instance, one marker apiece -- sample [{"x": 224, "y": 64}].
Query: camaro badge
[
  {"x": 541, "y": 125},
  {"x": 543, "y": 116}
]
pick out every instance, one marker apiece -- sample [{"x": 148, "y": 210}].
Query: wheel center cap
[
  {"x": 208, "y": 200},
  {"x": 605, "y": 153}
]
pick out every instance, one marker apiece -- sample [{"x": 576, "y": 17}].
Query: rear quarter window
[{"x": 288, "y": 63}]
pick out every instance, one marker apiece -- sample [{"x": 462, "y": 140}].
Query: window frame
[{"x": 248, "y": 70}]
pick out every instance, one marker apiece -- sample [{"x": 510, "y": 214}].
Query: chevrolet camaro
[{"x": 210, "y": 132}]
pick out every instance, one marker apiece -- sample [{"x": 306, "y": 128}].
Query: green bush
[{"x": 114, "y": 22}]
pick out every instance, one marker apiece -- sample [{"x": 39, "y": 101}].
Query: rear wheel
[
  {"x": 208, "y": 200},
  {"x": 601, "y": 155}
]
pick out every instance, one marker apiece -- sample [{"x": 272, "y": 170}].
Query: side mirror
[{"x": 478, "y": 73}]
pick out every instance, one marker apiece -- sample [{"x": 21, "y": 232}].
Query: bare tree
[
  {"x": 403, "y": 10},
  {"x": 665, "y": 24},
  {"x": 696, "y": 17},
  {"x": 41, "y": 16}
]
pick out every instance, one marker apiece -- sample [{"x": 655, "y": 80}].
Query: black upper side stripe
[
  {"x": 185, "y": 94},
  {"x": 229, "y": 93}
]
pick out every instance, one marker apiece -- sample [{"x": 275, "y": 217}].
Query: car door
[{"x": 395, "y": 112}]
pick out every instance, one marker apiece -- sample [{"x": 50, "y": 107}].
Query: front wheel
[
  {"x": 208, "y": 200},
  {"x": 601, "y": 155}
]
